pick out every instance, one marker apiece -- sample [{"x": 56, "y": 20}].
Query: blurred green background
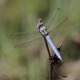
[{"x": 30, "y": 61}]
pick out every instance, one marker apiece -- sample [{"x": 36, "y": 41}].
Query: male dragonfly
[{"x": 44, "y": 32}]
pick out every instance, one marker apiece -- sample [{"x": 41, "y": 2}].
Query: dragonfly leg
[
  {"x": 54, "y": 60},
  {"x": 59, "y": 48}
]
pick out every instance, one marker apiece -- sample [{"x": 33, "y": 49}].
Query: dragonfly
[{"x": 44, "y": 32}]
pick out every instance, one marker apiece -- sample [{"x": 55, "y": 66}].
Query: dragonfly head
[
  {"x": 40, "y": 24},
  {"x": 39, "y": 20}
]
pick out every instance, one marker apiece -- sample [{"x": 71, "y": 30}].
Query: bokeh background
[{"x": 29, "y": 61}]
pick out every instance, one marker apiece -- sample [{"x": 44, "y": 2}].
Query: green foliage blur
[{"x": 31, "y": 62}]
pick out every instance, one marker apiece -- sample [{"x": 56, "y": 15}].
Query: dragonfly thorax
[{"x": 43, "y": 30}]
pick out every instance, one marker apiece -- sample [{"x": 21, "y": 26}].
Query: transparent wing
[
  {"x": 57, "y": 26},
  {"x": 28, "y": 38},
  {"x": 28, "y": 42},
  {"x": 24, "y": 40},
  {"x": 52, "y": 18}
]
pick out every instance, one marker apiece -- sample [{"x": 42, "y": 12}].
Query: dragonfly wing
[
  {"x": 23, "y": 33},
  {"x": 23, "y": 36},
  {"x": 53, "y": 28},
  {"x": 56, "y": 32},
  {"x": 27, "y": 43},
  {"x": 33, "y": 34},
  {"x": 52, "y": 17},
  {"x": 25, "y": 39}
]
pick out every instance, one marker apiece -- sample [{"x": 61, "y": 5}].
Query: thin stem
[{"x": 51, "y": 71}]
